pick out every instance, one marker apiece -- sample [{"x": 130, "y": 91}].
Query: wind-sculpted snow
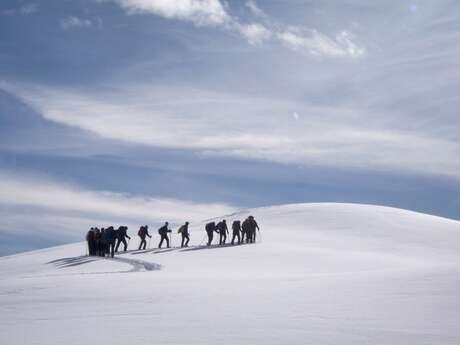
[
  {"x": 319, "y": 274},
  {"x": 136, "y": 265}
]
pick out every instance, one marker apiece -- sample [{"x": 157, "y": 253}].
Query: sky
[{"x": 141, "y": 111}]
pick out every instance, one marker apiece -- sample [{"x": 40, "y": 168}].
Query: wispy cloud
[
  {"x": 200, "y": 12},
  {"x": 215, "y": 13},
  {"x": 25, "y": 10},
  {"x": 255, "y": 128},
  {"x": 61, "y": 199},
  {"x": 255, "y": 9},
  {"x": 73, "y": 22},
  {"x": 317, "y": 43},
  {"x": 255, "y": 33}
]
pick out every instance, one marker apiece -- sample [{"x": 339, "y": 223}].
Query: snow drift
[{"x": 320, "y": 274}]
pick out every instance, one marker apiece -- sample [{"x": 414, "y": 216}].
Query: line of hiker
[
  {"x": 239, "y": 231},
  {"x": 102, "y": 242},
  {"x": 106, "y": 241}
]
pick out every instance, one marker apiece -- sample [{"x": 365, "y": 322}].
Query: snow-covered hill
[{"x": 321, "y": 274}]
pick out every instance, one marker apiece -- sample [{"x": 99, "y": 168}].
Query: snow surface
[{"x": 321, "y": 274}]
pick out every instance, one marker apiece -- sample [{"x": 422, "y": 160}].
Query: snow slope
[{"x": 322, "y": 274}]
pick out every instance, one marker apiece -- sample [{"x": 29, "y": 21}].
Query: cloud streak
[
  {"x": 255, "y": 128},
  {"x": 213, "y": 13},
  {"x": 71, "y": 201}
]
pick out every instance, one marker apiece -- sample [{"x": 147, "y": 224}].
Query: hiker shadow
[
  {"x": 71, "y": 262},
  {"x": 214, "y": 246}
]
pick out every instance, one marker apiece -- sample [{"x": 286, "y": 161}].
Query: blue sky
[{"x": 140, "y": 111}]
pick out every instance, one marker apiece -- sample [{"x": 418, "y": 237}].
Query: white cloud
[
  {"x": 75, "y": 22},
  {"x": 60, "y": 200},
  {"x": 255, "y": 33},
  {"x": 200, "y": 12},
  {"x": 214, "y": 13},
  {"x": 256, "y": 10},
  {"x": 317, "y": 43},
  {"x": 255, "y": 128}
]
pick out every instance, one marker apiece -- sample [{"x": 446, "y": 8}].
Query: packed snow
[{"x": 319, "y": 274}]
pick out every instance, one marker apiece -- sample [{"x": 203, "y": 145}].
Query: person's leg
[
  {"x": 233, "y": 238},
  {"x": 112, "y": 249},
  {"x": 167, "y": 241},
  {"x": 188, "y": 240},
  {"x": 182, "y": 242},
  {"x": 118, "y": 245},
  {"x": 125, "y": 245}
]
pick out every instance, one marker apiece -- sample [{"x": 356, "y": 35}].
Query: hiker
[
  {"x": 223, "y": 232},
  {"x": 163, "y": 232},
  {"x": 91, "y": 242},
  {"x": 142, "y": 233},
  {"x": 236, "y": 227},
  {"x": 110, "y": 237},
  {"x": 102, "y": 243},
  {"x": 121, "y": 238},
  {"x": 252, "y": 227},
  {"x": 97, "y": 242},
  {"x": 245, "y": 229},
  {"x": 183, "y": 230},
  {"x": 210, "y": 228}
]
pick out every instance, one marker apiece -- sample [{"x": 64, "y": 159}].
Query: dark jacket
[
  {"x": 222, "y": 227},
  {"x": 183, "y": 230},
  {"x": 163, "y": 231}
]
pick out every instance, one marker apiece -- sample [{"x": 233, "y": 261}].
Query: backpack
[
  {"x": 210, "y": 226},
  {"x": 141, "y": 231}
]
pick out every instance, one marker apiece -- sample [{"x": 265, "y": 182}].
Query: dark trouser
[
  {"x": 210, "y": 237},
  {"x": 164, "y": 237},
  {"x": 253, "y": 233},
  {"x": 236, "y": 234},
  {"x": 91, "y": 248},
  {"x": 143, "y": 243},
  {"x": 102, "y": 248},
  {"x": 249, "y": 236},
  {"x": 111, "y": 248},
  {"x": 123, "y": 240},
  {"x": 185, "y": 237},
  {"x": 222, "y": 238}
]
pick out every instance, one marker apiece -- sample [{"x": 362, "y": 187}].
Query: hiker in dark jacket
[
  {"x": 110, "y": 237},
  {"x": 183, "y": 230},
  {"x": 142, "y": 233},
  {"x": 97, "y": 242},
  {"x": 121, "y": 238},
  {"x": 91, "y": 242},
  {"x": 253, "y": 226},
  {"x": 245, "y": 229},
  {"x": 236, "y": 228},
  {"x": 163, "y": 232},
  {"x": 223, "y": 232},
  {"x": 210, "y": 228},
  {"x": 103, "y": 243}
]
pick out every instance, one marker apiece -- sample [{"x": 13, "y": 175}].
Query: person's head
[
  {"x": 166, "y": 223},
  {"x": 146, "y": 227},
  {"x": 224, "y": 221},
  {"x": 251, "y": 217},
  {"x": 186, "y": 223}
]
